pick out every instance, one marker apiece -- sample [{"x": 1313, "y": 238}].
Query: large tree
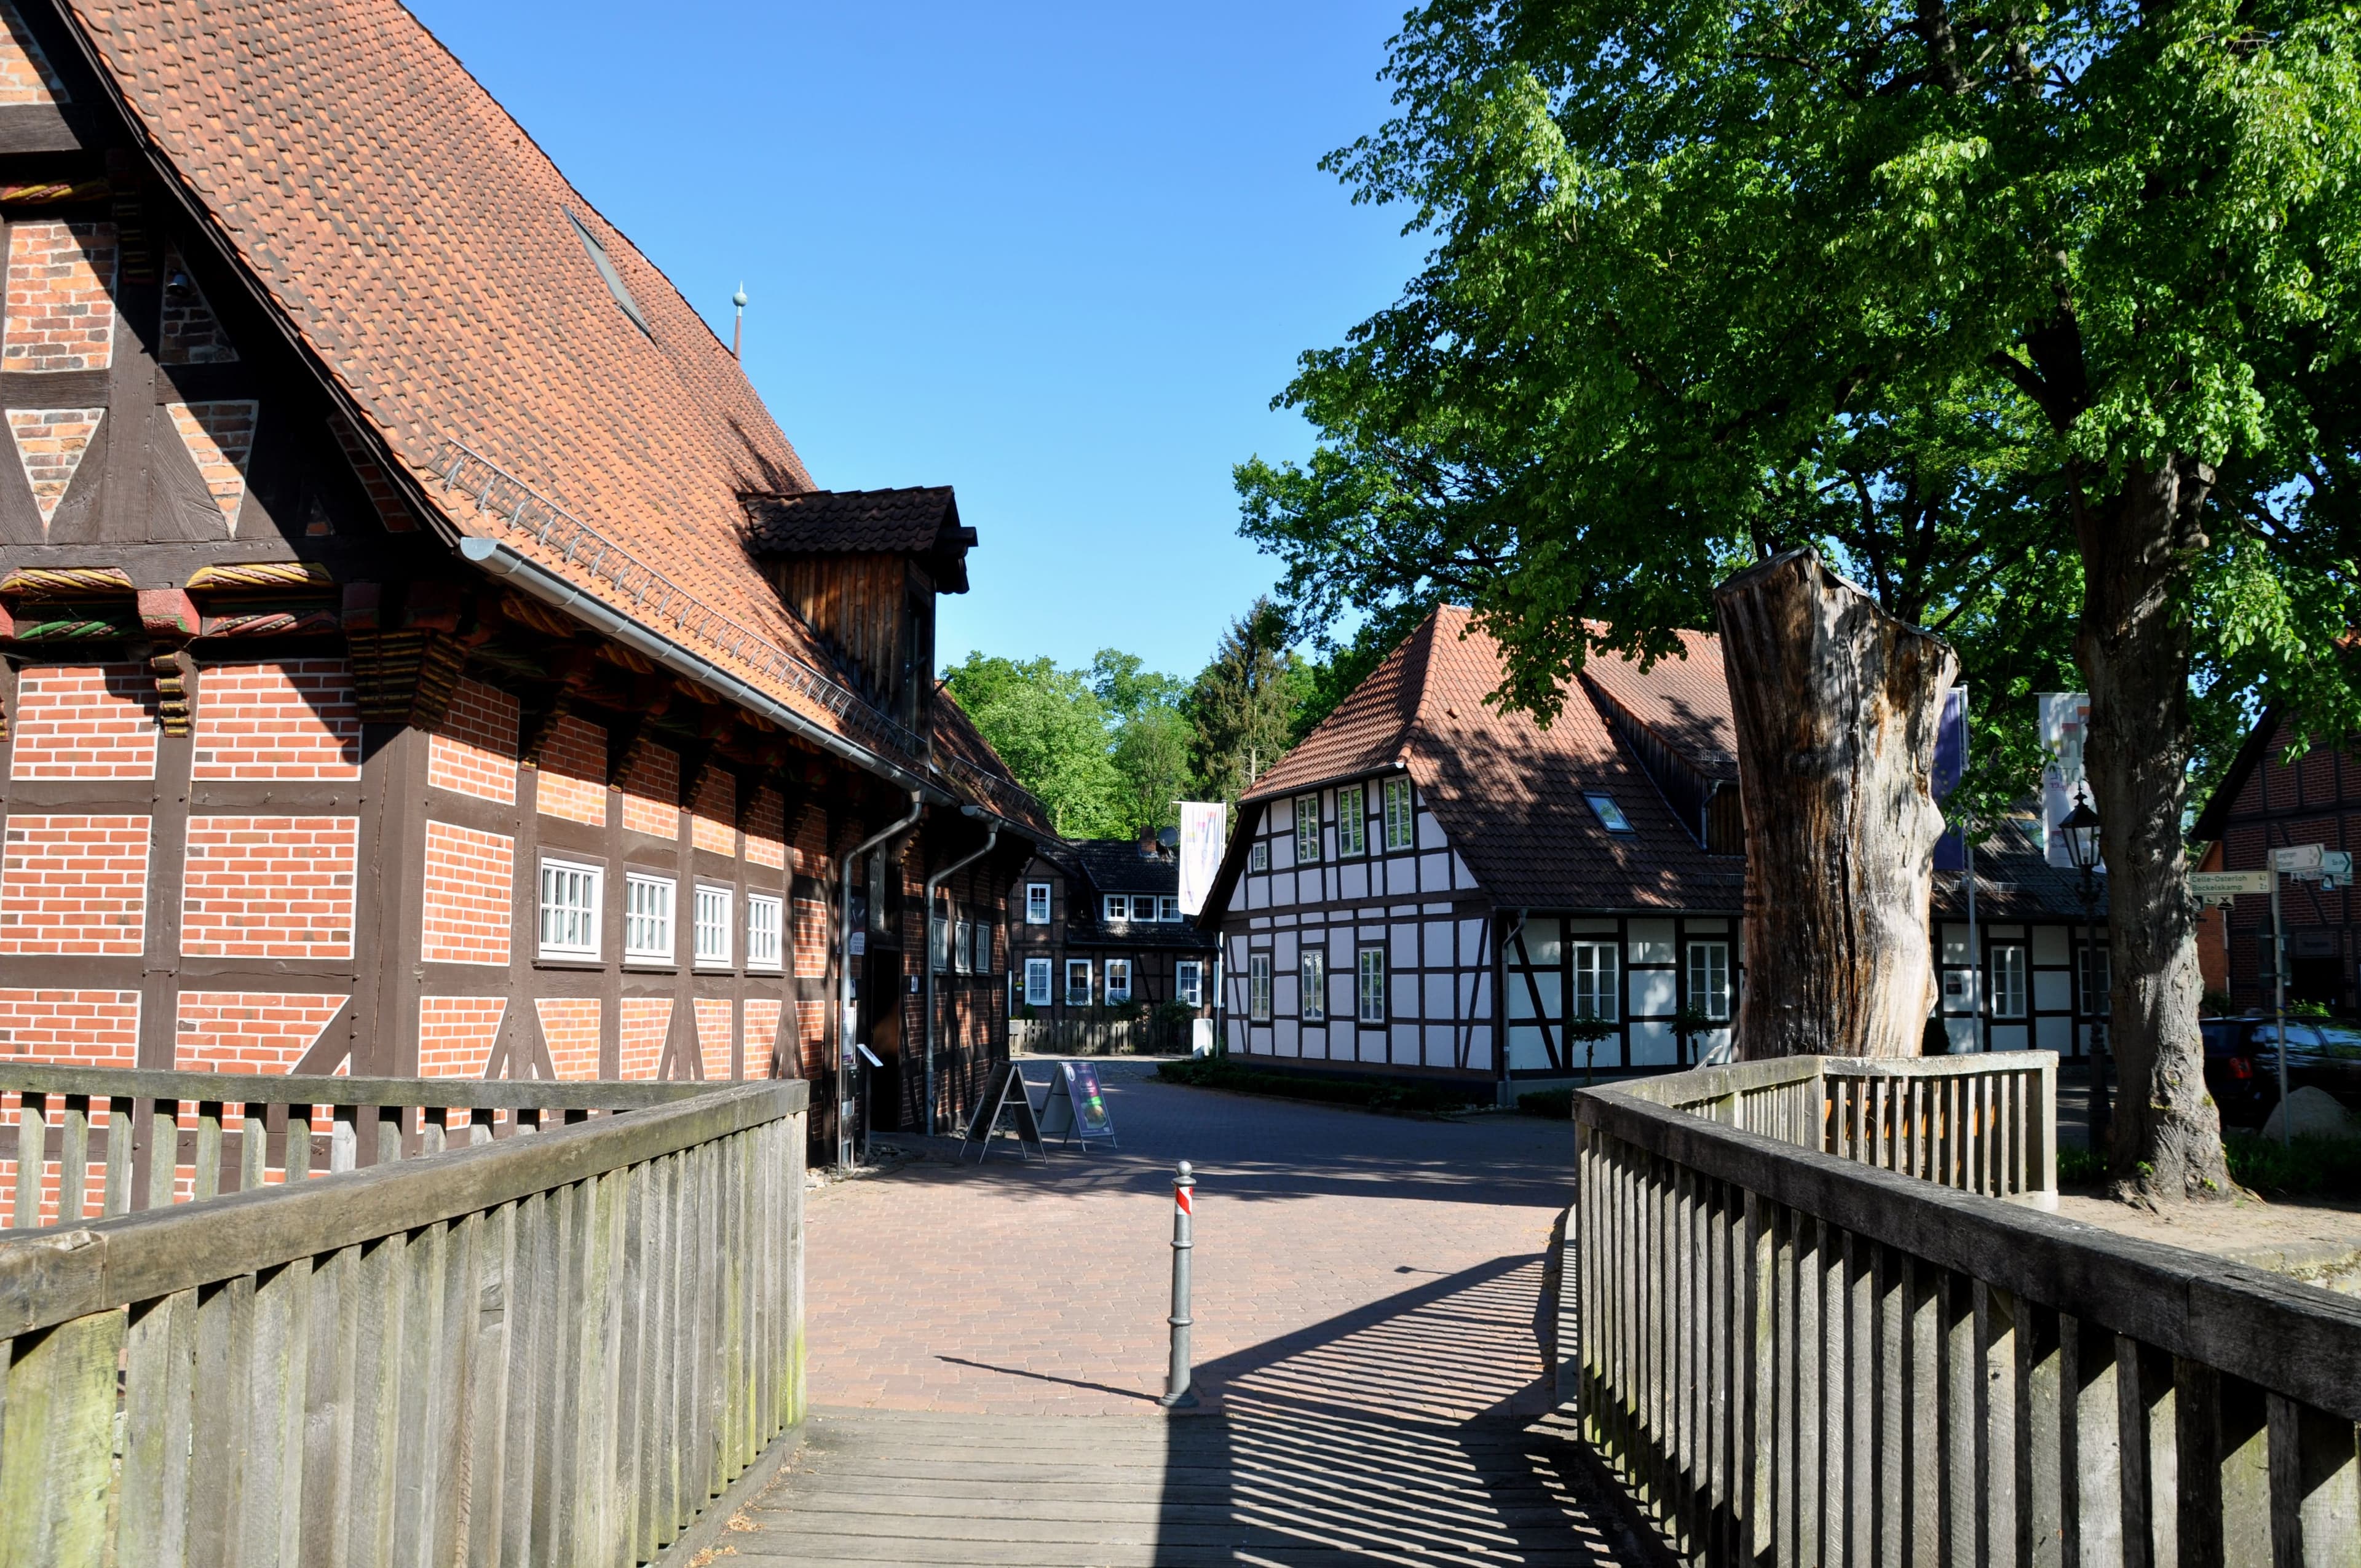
[
  {"x": 1242, "y": 700},
  {"x": 2059, "y": 301}
]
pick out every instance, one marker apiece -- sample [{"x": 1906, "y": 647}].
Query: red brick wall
[
  {"x": 762, "y": 1033},
  {"x": 813, "y": 1017},
  {"x": 85, "y": 1028},
  {"x": 470, "y": 879},
  {"x": 766, "y": 829},
  {"x": 455, "y": 1034},
  {"x": 26, "y": 74},
  {"x": 269, "y": 887},
  {"x": 714, "y": 826},
  {"x": 810, "y": 938},
  {"x": 474, "y": 751},
  {"x": 811, "y": 845},
  {"x": 247, "y": 1031},
  {"x": 84, "y": 721},
  {"x": 645, "y": 1019},
  {"x": 714, "y": 1019},
  {"x": 569, "y": 1028},
  {"x": 74, "y": 886},
  {"x": 652, "y": 792},
  {"x": 574, "y": 772},
  {"x": 292, "y": 720},
  {"x": 61, "y": 313}
]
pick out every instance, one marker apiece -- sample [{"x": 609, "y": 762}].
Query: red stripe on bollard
[{"x": 1180, "y": 1196}]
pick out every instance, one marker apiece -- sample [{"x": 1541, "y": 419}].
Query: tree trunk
[
  {"x": 2134, "y": 649},
  {"x": 1837, "y": 705}
]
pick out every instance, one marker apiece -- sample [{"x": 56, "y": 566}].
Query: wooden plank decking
[{"x": 1250, "y": 1485}]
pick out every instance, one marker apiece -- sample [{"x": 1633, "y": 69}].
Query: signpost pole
[
  {"x": 2278, "y": 961},
  {"x": 1177, "y": 1396}
]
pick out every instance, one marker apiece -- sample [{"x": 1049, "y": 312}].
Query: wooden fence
[
  {"x": 559, "y": 1347},
  {"x": 1097, "y": 1036},
  {"x": 1797, "y": 1356},
  {"x": 61, "y": 1156}
]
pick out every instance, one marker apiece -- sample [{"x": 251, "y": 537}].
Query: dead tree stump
[{"x": 1836, "y": 705}]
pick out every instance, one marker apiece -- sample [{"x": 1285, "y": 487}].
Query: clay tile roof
[
  {"x": 1509, "y": 792},
  {"x": 1683, "y": 701},
  {"x": 916, "y": 521},
  {"x": 411, "y": 238}
]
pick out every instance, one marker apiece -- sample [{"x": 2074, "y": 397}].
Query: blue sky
[{"x": 1061, "y": 256}]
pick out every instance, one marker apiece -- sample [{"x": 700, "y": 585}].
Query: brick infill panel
[
  {"x": 74, "y": 886},
  {"x": 574, "y": 772},
  {"x": 269, "y": 887},
  {"x": 249, "y": 1031},
  {"x": 61, "y": 307},
  {"x": 569, "y": 1028},
  {"x": 474, "y": 751},
  {"x": 652, "y": 792},
  {"x": 297, "y": 720},
  {"x": 455, "y": 1034},
  {"x": 84, "y": 721},
  {"x": 470, "y": 881}
]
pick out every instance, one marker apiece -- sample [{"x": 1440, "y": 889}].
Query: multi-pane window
[
  {"x": 1313, "y": 968},
  {"x": 2095, "y": 976},
  {"x": 1597, "y": 977},
  {"x": 765, "y": 931},
  {"x": 983, "y": 946},
  {"x": 1373, "y": 985},
  {"x": 1258, "y": 988},
  {"x": 1258, "y": 858},
  {"x": 569, "y": 909},
  {"x": 938, "y": 945},
  {"x": 712, "y": 924},
  {"x": 1400, "y": 824},
  {"x": 1168, "y": 910},
  {"x": 1078, "y": 983},
  {"x": 2008, "y": 982},
  {"x": 1037, "y": 904},
  {"x": 963, "y": 947},
  {"x": 647, "y": 918},
  {"x": 1143, "y": 906},
  {"x": 1114, "y": 907},
  {"x": 1352, "y": 821},
  {"x": 1307, "y": 829},
  {"x": 1118, "y": 980},
  {"x": 1036, "y": 983},
  {"x": 1709, "y": 978},
  {"x": 1189, "y": 981}
]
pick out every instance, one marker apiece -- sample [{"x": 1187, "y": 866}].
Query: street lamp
[{"x": 2080, "y": 828}]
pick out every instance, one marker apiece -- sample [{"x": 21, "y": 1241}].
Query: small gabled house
[
  {"x": 1429, "y": 888},
  {"x": 1097, "y": 922}
]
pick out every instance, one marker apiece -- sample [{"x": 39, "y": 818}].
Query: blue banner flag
[{"x": 1951, "y": 766}]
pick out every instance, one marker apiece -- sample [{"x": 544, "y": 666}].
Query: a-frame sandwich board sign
[
  {"x": 1004, "y": 1107},
  {"x": 1077, "y": 1111}
]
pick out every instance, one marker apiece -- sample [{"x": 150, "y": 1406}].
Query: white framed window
[
  {"x": 1401, "y": 824},
  {"x": 2094, "y": 974},
  {"x": 982, "y": 954},
  {"x": 1078, "y": 983},
  {"x": 1118, "y": 980},
  {"x": 1036, "y": 983},
  {"x": 1313, "y": 972},
  {"x": 938, "y": 945},
  {"x": 765, "y": 931},
  {"x": 1168, "y": 910},
  {"x": 1709, "y": 978},
  {"x": 1114, "y": 907},
  {"x": 963, "y": 947},
  {"x": 1143, "y": 906},
  {"x": 1189, "y": 981},
  {"x": 1307, "y": 829},
  {"x": 1373, "y": 985},
  {"x": 1598, "y": 981},
  {"x": 1258, "y": 858},
  {"x": 712, "y": 924},
  {"x": 1258, "y": 988},
  {"x": 647, "y": 918},
  {"x": 1611, "y": 816},
  {"x": 2008, "y": 980},
  {"x": 1352, "y": 821},
  {"x": 1037, "y": 904},
  {"x": 570, "y": 893}
]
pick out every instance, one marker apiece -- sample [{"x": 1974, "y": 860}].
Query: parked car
[
  {"x": 2318, "y": 1054},
  {"x": 2244, "y": 1088}
]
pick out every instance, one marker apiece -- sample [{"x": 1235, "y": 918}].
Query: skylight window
[
  {"x": 1611, "y": 816},
  {"x": 606, "y": 265}
]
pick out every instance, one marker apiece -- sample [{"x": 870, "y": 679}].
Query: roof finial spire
[{"x": 738, "y": 331}]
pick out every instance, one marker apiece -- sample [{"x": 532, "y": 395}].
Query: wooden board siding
[{"x": 874, "y": 610}]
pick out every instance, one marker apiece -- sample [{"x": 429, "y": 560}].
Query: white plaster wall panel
[
  {"x": 1353, "y": 881},
  {"x": 1962, "y": 1032},
  {"x": 1307, "y": 888},
  {"x": 1438, "y": 944},
  {"x": 1438, "y": 1000},
  {"x": 1282, "y": 814},
  {"x": 1479, "y": 1048},
  {"x": 1404, "y": 1003},
  {"x": 1460, "y": 875},
  {"x": 1526, "y": 1050},
  {"x": 1955, "y": 942},
  {"x": 1404, "y": 953},
  {"x": 1283, "y": 988},
  {"x": 2011, "y": 933},
  {"x": 2008, "y": 1037},
  {"x": 1590, "y": 928},
  {"x": 1655, "y": 991},
  {"x": 1704, "y": 925},
  {"x": 1257, "y": 893},
  {"x": 1282, "y": 947},
  {"x": 1430, "y": 832},
  {"x": 1403, "y": 1047},
  {"x": 1712, "y": 1040},
  {"x": 1524, "y": 988},
  {"x": 2055, "y": 1034},
  {"x": 1340, "y": 950},
  {"x": 2053, "y": 991},
  {"x": 1473, "y": 950},
  {"x": 1653, "y": 1044},
  {"x": 1340, "y": 990},
  {"x": 1314, "y": 1039},
  {"x": 1434, "y": 872},
  {"x": 1481, "y": 1007},
  {"x": 1651, "y": 941},
  {"x": 2049, "y": 945},
  {"x": 1442, "y": 1045},
  {"x": 1283, "y": 1038}
]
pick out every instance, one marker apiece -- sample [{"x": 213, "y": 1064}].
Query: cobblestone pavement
[{"x": 1369, "y": 1261}]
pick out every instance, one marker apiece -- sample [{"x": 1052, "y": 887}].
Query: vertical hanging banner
[
  {"x": 1951, "y": 766},
  {"x": 1201, "y": 836},
  {"x": 2065, "y": 718}
]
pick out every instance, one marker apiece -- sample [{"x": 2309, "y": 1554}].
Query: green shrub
[
  {"x": 1220, "y": 1072},
  {"x": 2077, "y": 1166},
  {"x": 2308, "y": 1168},
  {"x": 1556, "y": 1103}
]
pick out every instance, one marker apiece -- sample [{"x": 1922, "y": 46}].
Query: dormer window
[
  {"x": 1611, "y": 816},
  {"x": 1115, "y": 907}
]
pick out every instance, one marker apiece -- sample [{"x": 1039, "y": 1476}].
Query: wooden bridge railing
[
  {"x": 555, "y": 1348},
  {"x": 1793, "y": 1356},
  {"x": 60, "y": 1155}
]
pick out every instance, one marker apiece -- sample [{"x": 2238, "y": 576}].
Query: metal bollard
[{"x": 1177, "y": 1396}]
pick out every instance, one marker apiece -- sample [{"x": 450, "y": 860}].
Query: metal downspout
[
  {"x": 844, "y": 1057},
  {"x": 990, "y": 839}
]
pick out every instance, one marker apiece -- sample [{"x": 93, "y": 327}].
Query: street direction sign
[
  {"x": 2297, "y": 858},
  {"x": 2220, "y": 887}
]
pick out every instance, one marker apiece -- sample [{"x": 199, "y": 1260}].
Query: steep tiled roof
[
  {"x": 2013, "y": 881},
  {"x": 1508, "y": 791},
  {"x": 915, "y": 520},
  {"x": 414, "y": 240},
  {"x": 1116, "y": 865},
  {"x": 1684, "y": 701}
]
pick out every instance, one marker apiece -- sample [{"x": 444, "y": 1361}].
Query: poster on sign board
[
  {"x": 2065, "y": 718},
  {"x": 1077, "y": 1111},
  {"x": 1951, "y": 766},
  {"x": 1201, "y": 832}
]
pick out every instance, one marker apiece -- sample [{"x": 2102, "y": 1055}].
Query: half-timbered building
[
  {"x": 1430, "y": 888},
  {"x": 1097, "y": 924},
  {"x": 424, "y": 654}
]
